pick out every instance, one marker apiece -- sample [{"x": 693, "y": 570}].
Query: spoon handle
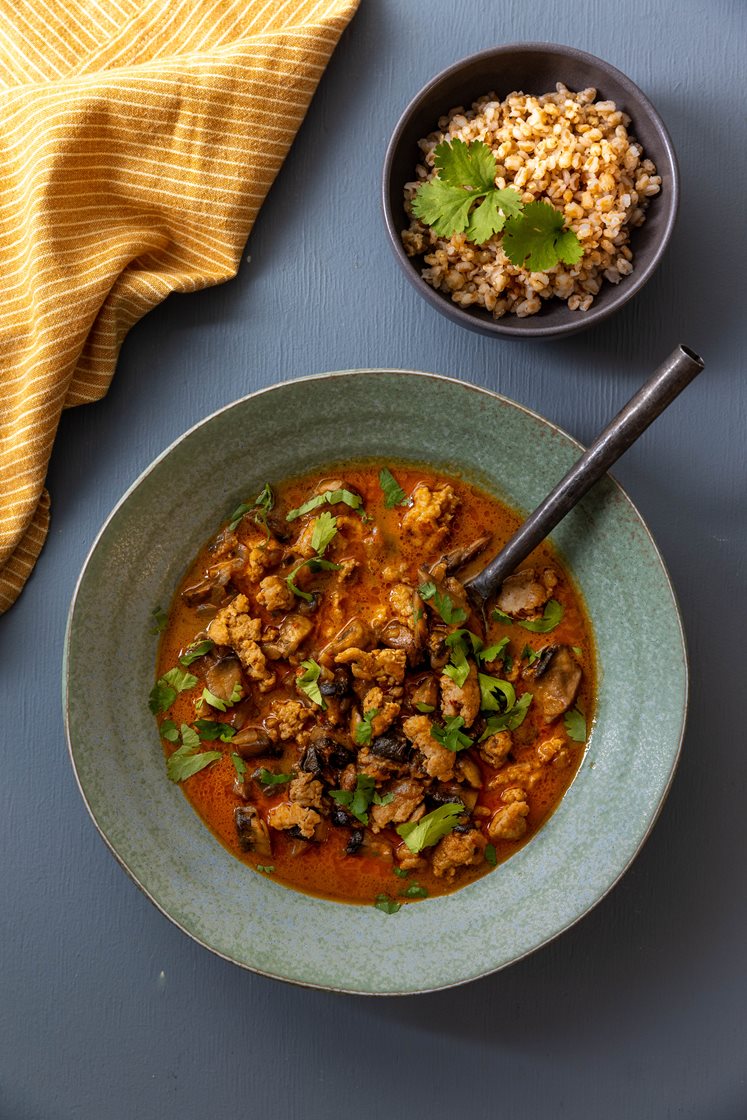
[{"x": 672, "y": 376}]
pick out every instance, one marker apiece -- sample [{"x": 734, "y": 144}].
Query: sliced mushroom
[
  {"x": 325, "y": 757},
  {"x": 293, "y": 630},
  {"x": 555, "y": 681},
  {"x": 335, "y": 683},
  {"x": 458, "y": 557},
  {"x": 425, "y": 692},
  {"x": 525, "y": 593},
  {"x": 223, "y": 676},
  {"x": 392, "y": 745},
  {"x": 355, "y": 634},
  {"x": 253, "y": 833},
  {"x": 253, "y": 742}
]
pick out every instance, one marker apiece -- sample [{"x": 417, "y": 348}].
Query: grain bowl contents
[
  {"x": 520, "y": 200},
  {"x": 337, "y": 712}
]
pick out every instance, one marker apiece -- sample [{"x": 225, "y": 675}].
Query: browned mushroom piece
[
  {"x": 524, "y": 594},
  {"x": 355, "y": 634},
  {"x": 253, "y": 833},
  {"x": 224, "y": 676},
  {"x": 555, "y": 681},
  {"x": 253, "y": 742},
  {"x": 293, "y": 630},
  {"x": 458, "y": 557}
]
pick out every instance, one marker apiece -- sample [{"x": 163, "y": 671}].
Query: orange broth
[{"x": 323, "y": 868}]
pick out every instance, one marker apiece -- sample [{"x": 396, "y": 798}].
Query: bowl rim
[
  {"x": 500, "y": 327},
  {"x": 330, "y": 375}
]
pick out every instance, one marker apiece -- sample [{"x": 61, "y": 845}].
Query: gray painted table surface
[{"x": 107, "y": 1011}]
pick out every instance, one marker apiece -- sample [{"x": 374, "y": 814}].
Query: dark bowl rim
[{"x": 499, "y": 327}]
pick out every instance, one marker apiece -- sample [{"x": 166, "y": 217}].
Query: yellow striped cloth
[{"x": 138, "y": 139}]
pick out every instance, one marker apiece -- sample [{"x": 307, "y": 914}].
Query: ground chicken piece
[
  {"x": 510, "y": 822},
  {"x": 524, "y": 594},
  {"x": 387, "y": 711},
  {"x": 274, "y": 594},
  {"x": 402, "y": 602},
  {"x": 458, "y": 849},
  {"x": 306, "y": 790},
  {"x": 347, "y": 567},
  {"x": 515, "y": 793},
  {"x": 439, "y": 763},
  {"x": 407, "y": 804},
  {"x": 233, "y": 626},
  {"x": 384, "y": 666},
  {"x": 464, "y": 701},
  {"x": 496, "y": 748},
  {"x": 408, "y": 861},
  {"x": 429, "y": 517},
  {"x": 555, "y": 752},
  {"x": 287, "y": 720},
  {"x": 380, "y": 769},
  {"x": 261, "y": 557},
  {"x": 527, "y": 773},
  {"x": 288, "y": 815}
]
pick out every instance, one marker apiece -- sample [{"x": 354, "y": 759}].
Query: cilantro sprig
[
  {"x": 308, "y": 681},
  {"x": 394, "y": 495},
  {"x": 188, "y": 759},
  {"x": 451, "y": 735},
  {"x": 260, "y": 507},
  {"x": 358, "y": 801},
  {"x": 443, "y": 603},
  {"x": 463, "y": 198},
  {"x": 167, "y": 688},
  {"x": 364, "y": 730}
]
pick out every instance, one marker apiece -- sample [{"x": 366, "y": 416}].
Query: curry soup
[{"x": 336, "y": 710}]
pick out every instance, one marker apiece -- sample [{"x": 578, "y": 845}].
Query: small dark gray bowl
[{"x": 533, "y": 68}]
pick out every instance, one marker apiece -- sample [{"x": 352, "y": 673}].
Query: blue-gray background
[{"x": 107, "y": 1011}]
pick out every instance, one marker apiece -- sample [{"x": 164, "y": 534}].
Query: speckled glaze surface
[{"x": 136, "y": 563}]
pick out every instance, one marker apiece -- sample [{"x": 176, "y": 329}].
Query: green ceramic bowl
[{"x": 137, "y": 562}]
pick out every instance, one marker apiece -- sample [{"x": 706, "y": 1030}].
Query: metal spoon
[{"x": 672, "y": 376}]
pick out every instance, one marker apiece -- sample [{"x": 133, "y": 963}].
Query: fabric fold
[{"x": 138, "y": 140}]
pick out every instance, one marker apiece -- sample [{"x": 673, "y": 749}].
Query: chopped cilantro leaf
[
  {"x": 209, "y": 729},
  {"x": 314, "y": 564},
  {"x": 414, "y": 891},
  {"x": 364, "y": 730},
  {"x": 536, "y": 239},
  {"x": 401, "y": 873},
  {"x": 496, "y": 695},
  {"x": 394, "y": 495},
  {"x": 267, "y": 868},
  {"x": 577, "y": 650},
  {"x": 262, "y": 504},
  {"x": 216, "y": 702},
  {"x": 501, "y": 616},
  {"x": 551, "y": 616},
  {"x": 169, "y": 731},
  {"x": 451, "y": 736},
  {"x": 386, "y": 904},
  {"x": 530, "y": 655},
  {"x": 430, "y": 828},
  {"x": 270, "y": 778},
  {"x": 190, "y": 738},
  {"x": 160, "y": 620},
  {"x": 490, "y": 855},
  {"x": 358, "y": 800},
  {"x": 451, "y": 615},
  {"x": 324, "y": 532},
  {"x": 329, "y": 497},
  {"x": 510, "y": 719},
  {"x": 492, "y": 653},
  {"x": 185, "y": 761},
  {"x": 195, "y": 650},
  {"x": 458, "y": 668},
  {"x": 426, "y": 709},
  {"x": 167, "y": 688},
  {"x": 238, "y": 764},
  {"x": 308, "y": 682},
  {"x": 575, "y": 725}
]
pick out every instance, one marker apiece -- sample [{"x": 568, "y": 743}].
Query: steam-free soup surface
[{"x": 337, "y": 712}]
